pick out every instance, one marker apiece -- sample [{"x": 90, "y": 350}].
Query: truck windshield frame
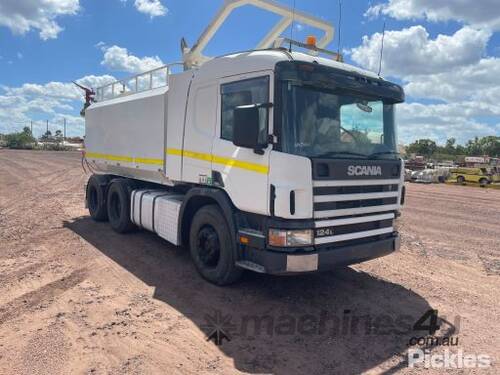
[{"x": 321, "y": 112}]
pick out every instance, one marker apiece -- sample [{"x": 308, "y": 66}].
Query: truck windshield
[{"x": 324, "y": 122}]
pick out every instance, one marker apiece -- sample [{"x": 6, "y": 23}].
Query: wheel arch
[{"x": 197, "y": 198}]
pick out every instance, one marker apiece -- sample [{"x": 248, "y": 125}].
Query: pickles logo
[{"x": 364, "y": 170}]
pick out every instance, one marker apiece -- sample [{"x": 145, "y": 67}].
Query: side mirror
[{"x": 247, "y": 127}]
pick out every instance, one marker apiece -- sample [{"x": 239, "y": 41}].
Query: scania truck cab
[{"x": 268, "y": 160}]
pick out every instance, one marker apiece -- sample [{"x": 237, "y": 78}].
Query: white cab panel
[
  {"x": 291, "y": 173},
  {"x": 244, "y": 172}
]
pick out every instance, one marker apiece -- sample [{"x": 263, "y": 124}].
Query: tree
[
  {"x": 47, "y": 135},
  {"x": 473, "y": 147},
  {"x": 490, "y": 146},
  {"x": 449, "y": 147},
  {"x": 27, "y": 130},
  {"x": 424, "y": 147},
  {"x": 22, "y": 139}
]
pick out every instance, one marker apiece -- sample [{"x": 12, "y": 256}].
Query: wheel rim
[
  {"x": 208, "y": 246},
  {"x": 93, "y": 200},
  {"x": 115, "y": 206}
]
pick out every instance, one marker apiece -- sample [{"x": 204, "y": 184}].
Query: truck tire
[
  {"x": 96, "y": 197},
  {"x": 211, "y": 247},
  {"x": 118, "y": 206}
]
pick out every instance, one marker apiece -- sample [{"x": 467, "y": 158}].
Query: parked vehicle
[
  {"x": 482, "y": 176},
  {"x": 268, "y": 160},
  {"x": 432, "y": 176}
]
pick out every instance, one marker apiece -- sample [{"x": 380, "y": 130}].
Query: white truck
[{"x": 270, "y": 160}]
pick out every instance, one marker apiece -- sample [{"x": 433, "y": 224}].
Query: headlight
[{"x": 287, "y": 238}]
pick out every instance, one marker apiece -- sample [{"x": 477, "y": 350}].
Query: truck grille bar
[
  {"x": 354, "y": 210},
  {"x": 335, "y": 198}
]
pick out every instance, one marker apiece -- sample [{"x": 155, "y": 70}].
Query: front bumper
[{"x": 326, "y": 258}]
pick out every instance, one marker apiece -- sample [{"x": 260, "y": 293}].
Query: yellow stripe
[
  {"x": 258, "y": 168},
  {"x": 128, "y": 159},
  {"x": 148, "y": 161}
]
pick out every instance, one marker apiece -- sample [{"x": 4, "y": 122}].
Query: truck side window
[{"x": 248, "y": 91}]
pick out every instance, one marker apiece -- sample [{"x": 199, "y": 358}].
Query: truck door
[
  {"x": 244, "y": 173},
  {"x": 201, "y": 119}
]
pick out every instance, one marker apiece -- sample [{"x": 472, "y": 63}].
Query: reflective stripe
[
  {"x": 258, "y": 168},
  {"x": 352, "y": 236},
  {"x": 148, "y": 161},
  {"x": 320, "y": 183},
  {"x": 352, "y": 220},
  {"x": 353, "y": 197},
  {"x": 127, "y": 159}
]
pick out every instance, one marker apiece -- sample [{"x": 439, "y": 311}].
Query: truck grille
[{"x": 353, "y": 210}]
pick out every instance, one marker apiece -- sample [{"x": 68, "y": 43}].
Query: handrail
[{"x": 155, "y": 78}]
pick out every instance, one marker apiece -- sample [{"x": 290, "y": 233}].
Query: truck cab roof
[{"x": 259, "y": 60}]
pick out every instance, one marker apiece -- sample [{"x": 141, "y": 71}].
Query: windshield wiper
[
  {"x": 334, "y": 153},
  {"x": 383, "y": 153}
]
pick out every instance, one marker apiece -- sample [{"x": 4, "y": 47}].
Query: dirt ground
[{"x": 77, "y": 298}]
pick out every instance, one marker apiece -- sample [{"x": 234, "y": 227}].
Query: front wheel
[
  {"x": 483, "y": 182},
  {"x": 211, "y": 247},
  {"x": 460, "y": 179}
]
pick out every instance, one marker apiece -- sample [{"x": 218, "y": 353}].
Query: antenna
[
  {"x": 340, "y": 29},
  {"x": 293, "y": 25},
  {"x": 381, "y": 50}
]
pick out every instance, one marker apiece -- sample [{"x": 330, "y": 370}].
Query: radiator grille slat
[{"x": 354, "y": 211}]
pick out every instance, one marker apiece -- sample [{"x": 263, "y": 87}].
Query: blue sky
[{"x": 445, "y": 53}]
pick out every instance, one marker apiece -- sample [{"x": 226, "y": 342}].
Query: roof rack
[
  {"x": 281, "y": 42},
  {"x": 152, "y": 79}
]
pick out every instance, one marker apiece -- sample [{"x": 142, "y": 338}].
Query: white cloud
[
  {"x": 58, "y": 90},
  {"x": 20, "y": 16},
  {"x": 410, "y": 51},
  {"x": 53, "y": 101},
  {"x": 119, "y": 59},
  {"x": 477, "y": 82},
  {"x": 452, "y": 69},
  {"x": 442, "y": 121},
  {"x": 480, "y": 13},
  {"x": 153, "y": 8}
]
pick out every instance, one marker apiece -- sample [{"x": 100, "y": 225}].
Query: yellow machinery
[{"x": 482, "y": 176}]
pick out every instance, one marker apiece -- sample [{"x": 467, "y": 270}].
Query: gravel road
[{"x": 77, "y": 298}]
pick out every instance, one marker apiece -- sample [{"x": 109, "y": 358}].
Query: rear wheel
[
  {"x": 96, "y": 197},
  {"x": 118, "y": 206},
  {"x": 483, "y": 182},
  {"x": 211, "y": 247},
  {"x": 460, "y": 179}
]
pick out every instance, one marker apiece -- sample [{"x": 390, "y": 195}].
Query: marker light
[{"x": 311, "y": 40}]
